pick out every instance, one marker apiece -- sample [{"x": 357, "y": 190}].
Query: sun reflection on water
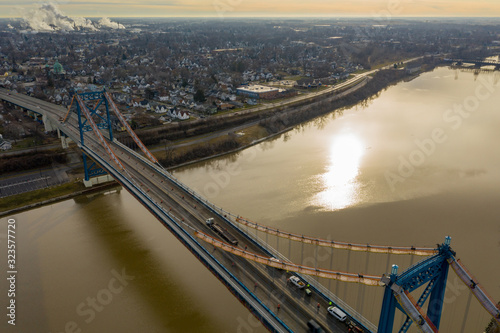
[{"x": 339, "y": 185}]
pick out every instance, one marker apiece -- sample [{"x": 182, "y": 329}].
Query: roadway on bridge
[{"x": 272, "y": 288}]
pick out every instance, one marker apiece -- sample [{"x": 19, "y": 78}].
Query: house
[
  {"x": 307, "y": 83},
  {"x": 182, "y": 115},
  {"x": 178, "y": 114},
  {"x": 225, "y": 106},
  {"x": 4, "y": 145},
  {"x": 160, "y": 109}
]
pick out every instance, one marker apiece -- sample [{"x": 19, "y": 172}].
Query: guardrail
[
  {"x": 326, "y": 294},
  {"x": 197, "y": 249}
]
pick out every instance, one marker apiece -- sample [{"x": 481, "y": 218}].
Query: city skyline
[{"x": 260, "y": 8}]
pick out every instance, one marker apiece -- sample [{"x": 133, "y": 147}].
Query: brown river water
[{"x": 412, "y": 165}]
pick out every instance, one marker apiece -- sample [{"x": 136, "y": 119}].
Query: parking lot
[{"x": 32, "y": 181}]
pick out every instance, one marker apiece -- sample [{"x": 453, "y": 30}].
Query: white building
[
  {"x": 257, "y": 91},
  {"x": 4, "y": 145},
  {"x": 182, "y": 115}
]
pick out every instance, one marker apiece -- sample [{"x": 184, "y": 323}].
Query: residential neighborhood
[{"x": 174, "y": 70}]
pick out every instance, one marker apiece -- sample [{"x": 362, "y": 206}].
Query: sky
[{"x": 261, "y": 8}]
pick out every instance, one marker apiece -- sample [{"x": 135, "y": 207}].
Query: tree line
[
  {"x": 29, "y": 161},
  {"x": 201, "y": 151}
]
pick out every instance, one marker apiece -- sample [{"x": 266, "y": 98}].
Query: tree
[
  {"x": 133, "y": 124},
  {"x": 169, "y": 150},
  {"x": 149, "y": 93},
  {"x": 199, "y": 96},
  {"x": 12, "y": 132}
]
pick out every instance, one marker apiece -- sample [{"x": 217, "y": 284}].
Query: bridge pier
[
  {"x": 97, "y": 180},
  {"x": 64, "y": 141},
  {"x": 49, "y": 126},
  {"x": 94, "y": 174}
]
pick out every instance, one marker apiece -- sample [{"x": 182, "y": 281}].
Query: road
[{"x": 30, "y": 150}]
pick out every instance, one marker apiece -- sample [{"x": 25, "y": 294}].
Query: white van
[{"x": 337, "y": 313}]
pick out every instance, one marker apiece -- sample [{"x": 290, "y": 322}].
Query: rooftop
[{"x": 257, "y": 88}]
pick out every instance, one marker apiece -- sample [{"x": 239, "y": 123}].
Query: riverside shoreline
[{"x": 360, "y": 97}]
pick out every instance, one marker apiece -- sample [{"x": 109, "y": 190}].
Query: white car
[
  {"x": 337, "y": 313},
  {"x": 297, "y": 282}
]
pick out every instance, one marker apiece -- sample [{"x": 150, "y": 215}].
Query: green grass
[
  {"x": 294, "y": 78},
  {"x": 28, "y": 198},
  {"x": 250, "y": 134}
]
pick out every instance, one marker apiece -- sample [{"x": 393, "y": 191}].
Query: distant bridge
[
  {"x": 253, "y": 271},
  {"x": 476, "y": 63}
]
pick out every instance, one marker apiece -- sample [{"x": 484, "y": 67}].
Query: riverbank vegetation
[
  {"x": 200, "y": 151},
  {"x": 30, "y": 198},
  {"x": 31, "y": 160}
]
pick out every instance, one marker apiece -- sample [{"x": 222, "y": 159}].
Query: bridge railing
[
  {"x": 320, "y": 289},
  {"x": 153, "y": 204},
  {"x": 327, "y": 295}
]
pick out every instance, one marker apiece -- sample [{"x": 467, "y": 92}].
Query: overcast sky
[{"x": 252, "y": 8}]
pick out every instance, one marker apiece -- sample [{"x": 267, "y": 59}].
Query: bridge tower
[
  {"x": 93, "y": 170},
  {"x": 434, "y": 272}
]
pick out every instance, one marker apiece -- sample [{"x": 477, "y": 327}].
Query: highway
[{"x": 170, "y": 201}]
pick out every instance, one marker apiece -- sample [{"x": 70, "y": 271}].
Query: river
[{"x": 408, "y": 167}]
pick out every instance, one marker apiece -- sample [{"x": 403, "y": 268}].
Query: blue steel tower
[{"x": 434, "y": 272}]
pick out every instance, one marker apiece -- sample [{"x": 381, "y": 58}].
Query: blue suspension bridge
[{"x": 257, "y": 274}]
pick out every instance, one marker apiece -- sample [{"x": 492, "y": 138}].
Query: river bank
[
  {"x": 282, "y": 121},
  {"x": 29, "y": 200}
]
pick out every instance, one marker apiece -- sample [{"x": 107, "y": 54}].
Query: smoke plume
[
  {"x": 48, "y": 17},
  {"x": 107, "y": 23}
]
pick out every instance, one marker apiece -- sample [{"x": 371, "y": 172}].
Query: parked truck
[{"x": 226, "y": 235}]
